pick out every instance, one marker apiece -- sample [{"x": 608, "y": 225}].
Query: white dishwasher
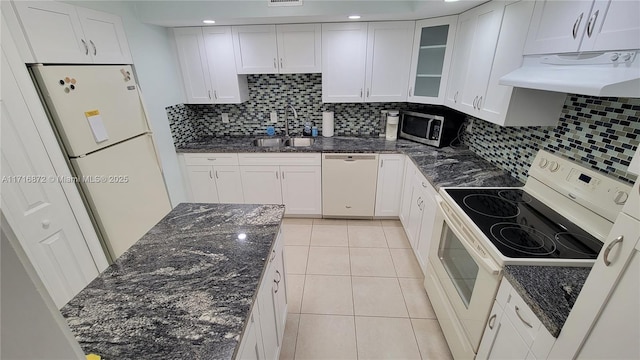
[{"x": 349, "y": 185}]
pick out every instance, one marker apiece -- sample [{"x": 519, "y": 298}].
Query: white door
[
  {"x": 460, "y": 62},
  {"x": 218, "y": 44},
  {"x": 193, "y": 65},
  {"x": 268, "y": 302},
  {"x": 302, "y": 189},
  {"x": 613, "y": 25},
  {"x": 36, "y": 207},
  {"x": 229, "y": 184},
  {"x": 415, "y": 215},
  {"x": 344, "y": 50},
  {"x": 261, "y": 184},
  {"x": 430, "y": 63},
  {"x": 427, "y": 224},
  {"x": 42, "y": 18},
  {"x": 251, "y": 347},
  {"x": 299, "y": 48},
  {"x": 483, "y": 47},
  {"x": 203, "y": 187},
  {"x": 557, "y": 26},
  {"x": 388, "y": 60},
  {"x": 98, "y": 90},
  {"x": 105, "y": 35},
  {"x": 129, "y": 197},
  {"x": 256, "y": 49},
  {"x": 405, "y": 205},
  {"x": 506, "y": 343},
  {"x": 389, "y": 188}
]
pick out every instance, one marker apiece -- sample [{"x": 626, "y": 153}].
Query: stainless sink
[
  {"x": 267, "y": 142},
  {"x": 299, "y": 141}
]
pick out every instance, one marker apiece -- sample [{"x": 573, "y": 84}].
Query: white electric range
[{"x": 561, "y": 217}]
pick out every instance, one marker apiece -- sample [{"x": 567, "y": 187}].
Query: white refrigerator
[{"x": 100, "y": 121}]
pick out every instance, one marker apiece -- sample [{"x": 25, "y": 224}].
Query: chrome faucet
[{"x": 286, "y": 119}]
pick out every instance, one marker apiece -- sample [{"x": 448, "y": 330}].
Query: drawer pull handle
[
  {"x": 576, "y": 24},
  {"x": 217, "y": 174},
  {"x": 273, "y": 255},
  {"x": 424, "y": 185},
  {"x": 279, "y": 276},
  {"x": 521, "y": 319},
  {"x": 347, "y": 206},
  {"x": 492, "y": 321},
  {"x": 615, "y": 242},
  {"x": 277, "y": 287}
]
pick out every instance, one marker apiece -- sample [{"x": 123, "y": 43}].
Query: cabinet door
[
  {"x": 54, "y": 31},
  {"x": 460, "y": 63},
  {"x": 227, "y": 86},
  {"x": 302, "y": 189},
  {"x": 508, "y": 57},
  {"x": 388, "y": 60},
  {"x": 344, "y": 50},
  {"x": 483, "y": 46},
  {"x": 261, "y": 184},
  {"x": 557, "y": 26},
  {"x": 506, "y": 344},
  {"x": 299, "y": 48},
  {"x": 267, "y": 300},
  {"x": 389, "y": 188},
  {"x": 280, "y": 289},
  {"x": 426, "y": 224},
  {"x": 613, "y": 25},
  {"x": 405, "y": 206},
  {"x": 105, "y": 35},
  {"x": 490, "y": 332},
  {"x": 251, "y": 347},
  {"x": 432, "y": 49},
  {"x": 193, "y": 65},
  {"x": 229, "y": 184},
  {"x": 203, "y": 187},
  {"x": 256, "y": 50},
  {"x": 415, "y": 215}
]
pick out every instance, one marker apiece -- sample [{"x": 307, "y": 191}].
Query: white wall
[{"x": 157, "y": 71}]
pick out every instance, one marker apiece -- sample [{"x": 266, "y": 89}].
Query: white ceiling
[{"x": 236, "y": 12}]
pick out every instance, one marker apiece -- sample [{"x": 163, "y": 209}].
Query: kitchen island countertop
[
  {"x": 446, "y": 166},
  {"x": 184, "y": 290}
]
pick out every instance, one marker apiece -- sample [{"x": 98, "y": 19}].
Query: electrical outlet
[
  {"x": 274, "y": 117},
  {"x": 470, "y": 125},
  {"x": 225, "y": 117}
]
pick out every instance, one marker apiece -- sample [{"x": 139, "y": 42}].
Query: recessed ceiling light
[
  {"x": 209, "y": 21},
  {"x": 354, "y": 17}
]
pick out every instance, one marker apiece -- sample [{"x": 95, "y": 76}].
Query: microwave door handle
[
  {"x": 486, "y": 263},
  {"x": 428, "y": 132}
]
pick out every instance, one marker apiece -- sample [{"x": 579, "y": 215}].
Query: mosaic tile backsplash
[{"x": 600, "y": 132}]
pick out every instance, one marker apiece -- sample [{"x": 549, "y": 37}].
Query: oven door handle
[{"x": 487, "y": 263}]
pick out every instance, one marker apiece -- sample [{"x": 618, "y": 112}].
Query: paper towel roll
[{"x": 327, "y": 123}]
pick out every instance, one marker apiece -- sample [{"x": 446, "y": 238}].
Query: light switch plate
[
  {"x": 274, "y": 117},
  {"x": 225, "y": 117}
]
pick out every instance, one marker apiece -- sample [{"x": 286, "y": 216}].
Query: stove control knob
[
  {"x": 543, "y": 163},
  {"x": 554, "y": 166},
  {"x": 620, "y": 197}
]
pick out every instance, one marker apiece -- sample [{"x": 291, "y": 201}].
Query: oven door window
[{"x": 461, "y": 267}]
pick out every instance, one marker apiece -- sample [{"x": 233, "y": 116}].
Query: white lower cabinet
[
  {"x": 294, "y": 180},
  {"x": 389, "y": 187},
  {"x": 214, "y": 183},
  {"x": 427, "y": 223},
  {"x": 513, "y": 331},
  {"x": 405, "y": 204},
  {"x": 263, "y": 335}
]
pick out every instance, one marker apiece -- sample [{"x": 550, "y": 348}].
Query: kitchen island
[{"x": 185, "y": 290}]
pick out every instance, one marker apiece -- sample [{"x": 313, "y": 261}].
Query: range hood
[{"x": 615, "y": 74}]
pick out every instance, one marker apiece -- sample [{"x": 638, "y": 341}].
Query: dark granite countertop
[
  {"x": 442, "y": 167},
  {"x": 550, "y": 291},
  {"x": 184, "y": 290}
]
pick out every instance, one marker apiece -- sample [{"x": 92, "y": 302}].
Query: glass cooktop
[{"x": 522, "y": 227}]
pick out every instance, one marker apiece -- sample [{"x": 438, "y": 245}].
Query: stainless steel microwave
[{"x": 432, "y": 129}]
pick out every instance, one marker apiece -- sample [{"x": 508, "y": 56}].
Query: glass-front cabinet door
[{"x": 432, "y": 48}]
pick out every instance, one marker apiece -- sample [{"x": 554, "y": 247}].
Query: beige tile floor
[{"x": 355, "y": 292}]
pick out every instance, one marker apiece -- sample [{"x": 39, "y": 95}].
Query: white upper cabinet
[
  {"x": 388, "y": 60},
  {"x": 299, "y": 48},
  {"x": 271, "y": 49},
  {"x": 489, "y": 43},
  {"x": 572, "y": 26},
  {"x": 432, "y": 49},
  {"x": 366, "y": 62},
  {"x": 207, "y": 66},
  {"x": 344, "y": 49},
  {"x": 62, "y": 33}
]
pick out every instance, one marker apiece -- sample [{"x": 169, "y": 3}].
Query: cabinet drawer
[
  {"x": 279, "y": 159},
  {"x": 524, "y": 320},
  {"x": 211, "y": 159}
]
